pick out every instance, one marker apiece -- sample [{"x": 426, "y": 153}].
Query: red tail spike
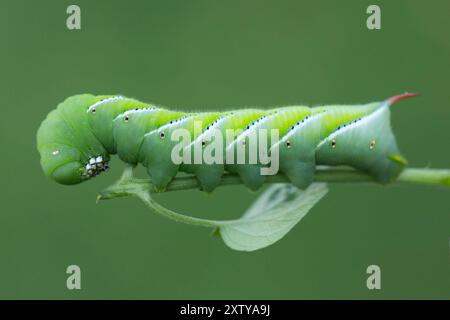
[{"x": 399, "y": 97}]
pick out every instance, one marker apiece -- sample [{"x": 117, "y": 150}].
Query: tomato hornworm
[{"x": 76, "y": 140}]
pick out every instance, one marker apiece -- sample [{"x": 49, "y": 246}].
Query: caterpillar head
[
  {"x": 70, "y": 154},
  {"x": 65, "y": 165}
]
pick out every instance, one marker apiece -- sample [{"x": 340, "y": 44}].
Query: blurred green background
[{"x": 223, "y": 54}]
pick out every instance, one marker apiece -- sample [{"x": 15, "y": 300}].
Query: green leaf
[
  {"x": 266, "y": 221},
  {"x": 271, "y": 216}
]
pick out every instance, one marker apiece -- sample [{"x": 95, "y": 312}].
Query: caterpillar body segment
[
  {"x": 230, "y": 124},
  {"x": 102, "y": 113},
  {"x": 364, "y": 143},
  {"x": 260, "y": 132},
  {"x": 130, "y": 127},
  {"x": 75, "y": 141},
  {"x": 297, "y": 147},
  {"x": 160, "y": 164}
]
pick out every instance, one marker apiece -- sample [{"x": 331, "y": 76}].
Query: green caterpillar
[{"x": 76, "y": 140}]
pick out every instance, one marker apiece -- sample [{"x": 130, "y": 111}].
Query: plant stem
[
  {"x": 408, "y": 176},
  {"x": 425, "y": 176},
  {"x": 165, "y": 212},
  {"x": 128, "y": 185}
]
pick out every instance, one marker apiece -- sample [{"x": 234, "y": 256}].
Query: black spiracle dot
[
  {"x": 162, "y": 135},
  {"x": 288, "y": 144},
  {"x": 333, "y": 143},
  {"x": 126, "y": 118}
]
